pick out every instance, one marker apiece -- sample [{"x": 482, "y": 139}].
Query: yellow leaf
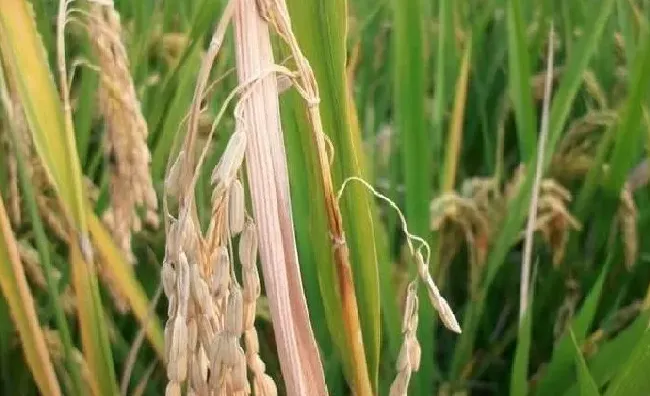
[
  {"x": 21, "y": 304},
  {"x": 94, "y": 334},
  {"x": 26, "y": 61}
]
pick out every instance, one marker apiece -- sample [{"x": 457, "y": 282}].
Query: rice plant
[{"x": 344, "y": 197}]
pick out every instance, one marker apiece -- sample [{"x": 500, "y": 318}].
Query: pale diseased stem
[{"x": 268, "y": 177}]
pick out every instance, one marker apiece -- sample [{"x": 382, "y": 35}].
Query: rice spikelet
[
  {"x": 626, "y": 216},
  {"x": 263, "y": 384},
  {"x": 13, "y": 198}
]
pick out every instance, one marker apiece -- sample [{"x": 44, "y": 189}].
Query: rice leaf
[
  {"x": 320, "y": 29},
  {"x": 415, "y": 142},
  {"x": 409, "y": 87},
  {"x": 628, "y": 147},
  {"x": 446, "y": 64},
  {"x": 615, "y": 353},
  {"x": 587, "y": 384},
  {"x": 21, "y": 304},
  {"x": 557, "y": 376},
  {"x": 27, "y": 67},
  {"x": 574, "y": 71},
  {"x": 632, "y": 379},
  {"x": 24, "y": 55},
  {"x": 267, "y": 173},
  {"x": 455, "y": 138},
  {"x": 48, "y": 269},
  {"x": 171, "y": 121},
  {"x": 519, "y": 81},
  {"x": 310, "y": 224},
  {"x": 94, "y": 332}
]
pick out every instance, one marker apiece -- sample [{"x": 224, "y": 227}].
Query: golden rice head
[{"x": 126, "y": 138}]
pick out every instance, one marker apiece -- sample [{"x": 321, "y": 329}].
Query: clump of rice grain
[
  {"x": 126, "y": 137},
  {"x": 263, "y": 384},
  {"x": 209, "y": 310}
]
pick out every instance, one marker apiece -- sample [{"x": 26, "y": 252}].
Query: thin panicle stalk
[
  {"x": 199, "y": 92},
  {"x": 137, "y": 344}
]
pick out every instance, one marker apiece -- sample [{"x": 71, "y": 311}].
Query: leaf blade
[
  {"x": 587, "y": 384},
  {"x": 320, "y": 29},
  {"x": 21, "y": 303}
]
